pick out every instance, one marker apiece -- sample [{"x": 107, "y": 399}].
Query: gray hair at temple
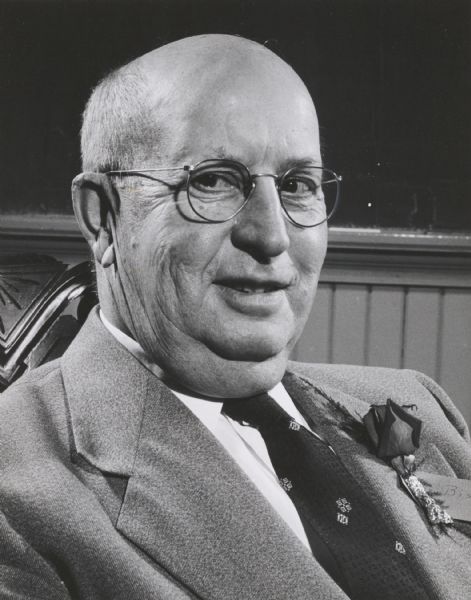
[{"x": 116, "y": 122}]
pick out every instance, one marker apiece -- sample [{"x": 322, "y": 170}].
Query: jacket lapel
[
  {"x": 187, "y": 504},
  {"x": 190, "y": 507}
]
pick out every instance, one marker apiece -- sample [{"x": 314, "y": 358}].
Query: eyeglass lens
[{"x": 217, "y": 190}]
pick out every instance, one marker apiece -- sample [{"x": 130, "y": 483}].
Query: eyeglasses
[{"x": 217, "y": 190}]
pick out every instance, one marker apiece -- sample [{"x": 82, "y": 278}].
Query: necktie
[{"x": 347, "y": 534}]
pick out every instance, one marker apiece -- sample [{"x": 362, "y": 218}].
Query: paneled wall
[
  {"x": 427, "y": 329},
  {"x": 386, "y": 299},
  {"x": 420, "y": 320}
]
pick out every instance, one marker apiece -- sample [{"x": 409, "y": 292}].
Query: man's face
[{"x": 219, "y": 306}]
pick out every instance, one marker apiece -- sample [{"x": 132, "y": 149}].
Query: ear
[{"x": 95, "y": 203}]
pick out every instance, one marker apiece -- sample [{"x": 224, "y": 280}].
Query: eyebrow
[
  {"x": 301, "y": 162},
  {"x": 288, "y": 163}
]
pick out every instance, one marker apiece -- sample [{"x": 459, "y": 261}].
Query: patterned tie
[{"x": 347, "y": 534}]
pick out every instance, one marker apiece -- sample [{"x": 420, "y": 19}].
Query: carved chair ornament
[{"x": 35, "y": 292}]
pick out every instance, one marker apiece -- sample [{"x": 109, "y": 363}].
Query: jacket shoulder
[
  {"x": 33, "y": 415},
  {"x": 375, "y": 384},
  {"x": 34, "y": 378},
  {"x": 32, "y": 389}
]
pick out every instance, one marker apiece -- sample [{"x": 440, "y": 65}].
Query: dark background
[{"x": 391, "y": 80}]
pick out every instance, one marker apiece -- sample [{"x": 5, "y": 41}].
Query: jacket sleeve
[{"x": 24, "y": 574}]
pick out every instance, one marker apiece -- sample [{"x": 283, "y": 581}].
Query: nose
[{"x": 260, "y": 228}]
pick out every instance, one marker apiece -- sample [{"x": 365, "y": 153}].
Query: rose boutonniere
[
  {"x": 394, "y": 433},
  {"x": 392, "y": 430}
]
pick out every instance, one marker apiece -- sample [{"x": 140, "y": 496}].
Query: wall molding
[
  {"x": 355, "y": 256},
  {"x": 65, "y": 226},
  {"x": 399, "y": 240}
]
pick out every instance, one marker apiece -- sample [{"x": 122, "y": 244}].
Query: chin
[
  {"x": 241, "y": 379},
  {"x": 256, "y": 342},
  {"x": 258, "y": 351},
  {"x": 250, "y": 379}
]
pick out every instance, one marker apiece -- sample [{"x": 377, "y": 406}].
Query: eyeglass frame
[{"x": 278, "y": 179}]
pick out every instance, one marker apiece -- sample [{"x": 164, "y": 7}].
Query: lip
[{"x": 253, "y": 296}]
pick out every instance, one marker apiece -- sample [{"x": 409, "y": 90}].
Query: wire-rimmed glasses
[{"x": 218, "y": 189}]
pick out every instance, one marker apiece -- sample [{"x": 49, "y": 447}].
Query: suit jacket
[{"x": 111, "y": 488}]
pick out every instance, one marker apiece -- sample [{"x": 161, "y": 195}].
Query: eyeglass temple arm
[{"x": 144, "y": 170}]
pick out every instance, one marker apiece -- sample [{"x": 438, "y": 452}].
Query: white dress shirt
[{"x": 244, "y": 444}]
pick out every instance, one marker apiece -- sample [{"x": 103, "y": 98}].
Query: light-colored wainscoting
[
  {"x": 407, "y": 306},
  {"x": 384, "y": 298}
]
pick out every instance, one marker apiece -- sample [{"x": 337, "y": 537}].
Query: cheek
[
  {"x": 308, "y": 249},
  {"x": 307, "y": 253},
  {"x": 174, "y": 262}
]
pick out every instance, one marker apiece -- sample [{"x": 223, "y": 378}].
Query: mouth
[
  {"x": 252, "y": 286},
  {"x": 260, "y": 297}
]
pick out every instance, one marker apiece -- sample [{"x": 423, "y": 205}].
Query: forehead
[{"x": 258, "y": 113}]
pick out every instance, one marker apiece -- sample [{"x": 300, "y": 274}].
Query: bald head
[
  {"x": 200, "y": 62},
  {"x": 136, "y": 112}
]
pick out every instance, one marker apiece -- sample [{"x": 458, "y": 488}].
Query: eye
[
  {"x": 214, "y": 181},
  {"x": 299, "y": 186}
]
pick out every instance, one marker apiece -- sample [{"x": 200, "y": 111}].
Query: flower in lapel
[
  {"x": 392, "y": 433},
  {"x": 395, "y": 435},
  {"x": 392, "y": 430}
]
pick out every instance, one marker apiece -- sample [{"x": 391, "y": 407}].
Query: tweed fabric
[{"x": 110, "y": 488}]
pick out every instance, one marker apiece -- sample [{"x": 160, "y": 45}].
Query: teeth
[
  {"x": 254, "y": 290},
  {"x": 251, "y": 287}
]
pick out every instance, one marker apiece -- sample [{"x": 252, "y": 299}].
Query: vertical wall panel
[
  {"x": 385, "y": 326},
  {"x": 422, "y": 330},
  {"x": 455, "y": 367},
  {"x": 349, "y": 324},
  {"x": 418, "y": 327},
  {"x": 314, "y": 344}
]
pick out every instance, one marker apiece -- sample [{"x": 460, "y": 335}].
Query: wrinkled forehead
[{"x": 217, "y": 95}]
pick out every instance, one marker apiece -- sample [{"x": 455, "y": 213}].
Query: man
[{"x": 127, "y": 471}]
